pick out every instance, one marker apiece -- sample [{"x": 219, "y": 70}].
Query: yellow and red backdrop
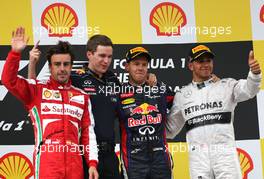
[{"x": 167, "y": 29}]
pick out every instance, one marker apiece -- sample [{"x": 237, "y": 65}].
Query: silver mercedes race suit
[{"x": 207, "y": 111}]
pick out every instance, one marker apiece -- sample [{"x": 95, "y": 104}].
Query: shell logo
[
  {"x": 261, "y": 14},
  {"x": 246, "y": 163},
  {"x": 168, "y": 19},
  {"x": 59, "y": 19},
  {"x": 47, "y": 93},
  {"x": 15, "y": 166}
]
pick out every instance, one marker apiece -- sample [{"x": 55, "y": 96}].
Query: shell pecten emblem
[
  {"x": 59, "y": 19},
  {"x": 47, "y": 93},
  {"x": 15, "y": 166},
  {"x": 261, "y": 14},
  {"x": 168, "y": 19},
  {"x": 246, "y": 163}
]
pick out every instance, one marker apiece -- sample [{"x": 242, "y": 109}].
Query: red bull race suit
[{"x": 142, "y": 115}]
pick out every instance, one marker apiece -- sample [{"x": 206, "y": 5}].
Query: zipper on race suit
[{"x": 65, "y": 125}]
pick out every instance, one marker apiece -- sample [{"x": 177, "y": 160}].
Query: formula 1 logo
[
  {"x": 7, "y": 126},
  {"x": 3, "y": 90}
]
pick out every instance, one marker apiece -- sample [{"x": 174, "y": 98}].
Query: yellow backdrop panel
[
  {"x": 119, "y": 19},
  {"x": 179, "y": 152},
  {"x": 225, "y": 13},
  {"x": 13, "y": 14}
]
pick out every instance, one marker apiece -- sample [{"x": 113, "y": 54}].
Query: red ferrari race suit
[{"x": 62, "y": 120}]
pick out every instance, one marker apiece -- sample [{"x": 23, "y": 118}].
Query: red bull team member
[
  {"x": 61, "y": 114},
  {"x": 142, "y": 116},
  {"x": 92, "y": 80},
  {"x": 207, "y": 110}
]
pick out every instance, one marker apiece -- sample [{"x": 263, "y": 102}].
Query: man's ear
[
  {"x": 88, "y": 54},
  {"x": 190, "y": 66},
  {"x": 49, "y": 68},
  {"x": 126, "y": 66}
]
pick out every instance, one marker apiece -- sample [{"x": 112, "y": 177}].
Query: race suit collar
[
  {"x": 57, "y": 85},
  {"x": 142, "y": 85},
  {"x": 203, "y": 84},
  {"x": 91, "y": 72}
]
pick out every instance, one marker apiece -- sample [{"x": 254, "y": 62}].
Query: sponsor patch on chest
[
  {"x": 59, "y": 109},
  {"x": 77, "y": 99},
  {"x": 48, "y": 94}
]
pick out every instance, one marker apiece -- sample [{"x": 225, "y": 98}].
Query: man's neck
[
  {"x": 100, "y": 75},
  {"x": 134, "y": 83},
  {"x": 199, "y": 80}
]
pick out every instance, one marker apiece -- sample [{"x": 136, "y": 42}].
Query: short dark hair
[
  {"x": 63, "y": 47},
  {"x": 96, "y": 40}
]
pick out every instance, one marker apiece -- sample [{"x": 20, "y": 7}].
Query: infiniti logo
[
  {"x": 87, "y": 82},
  {"x": 143, "y": 130}
]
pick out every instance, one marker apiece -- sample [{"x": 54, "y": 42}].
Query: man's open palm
[{"x": 19, "y": 41}]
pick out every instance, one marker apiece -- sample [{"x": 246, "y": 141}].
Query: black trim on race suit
[{"x": 207, "y": 119}]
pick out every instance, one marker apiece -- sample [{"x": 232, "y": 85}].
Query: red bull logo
[
  {"x": 148, "y": 119},
  {"x": 154, "y": 120},
  {"x": 151, "y": 108},
  {"x": 137, "y": 122},
  {"x": 144, "y": 108},
  {"x": 137, "y": 110}
]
